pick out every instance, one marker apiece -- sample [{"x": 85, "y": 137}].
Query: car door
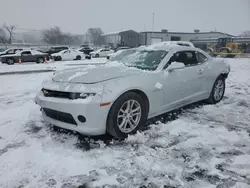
[
  {"x": 185, "y": 80},
  {"x": 206, "y": 78},
  {"x": 26, "y": 56},
  {"x": 66, "y": 55},
  {"x": 109, "y": 51},
  {"x": 73, "y": 54},
  {"x": 102, "y": 53}
]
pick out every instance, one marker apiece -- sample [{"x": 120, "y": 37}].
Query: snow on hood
[
  {"x": 12, "y": 55},
  {"x": 95, "y": 75}
]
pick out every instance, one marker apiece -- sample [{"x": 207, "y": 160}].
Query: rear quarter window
[{"x": 200, "y": 57}]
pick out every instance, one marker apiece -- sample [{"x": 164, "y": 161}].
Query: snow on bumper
[{"x": 89, "y": 108}]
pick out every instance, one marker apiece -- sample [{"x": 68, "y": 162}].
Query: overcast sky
[{"x": 76, "y": 16}]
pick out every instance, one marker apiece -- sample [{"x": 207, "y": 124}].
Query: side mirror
[{"x": 175, "y": 65}]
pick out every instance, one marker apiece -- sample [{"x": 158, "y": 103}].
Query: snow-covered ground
[
  {"x": 51, "y": 65},
  {"x": 205, "y": 147}
]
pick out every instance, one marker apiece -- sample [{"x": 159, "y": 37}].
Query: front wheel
[
  {"x": 218, "y": 90},
  {"x": 97, "y": 55},
  {"x": 127, "y": 115}
]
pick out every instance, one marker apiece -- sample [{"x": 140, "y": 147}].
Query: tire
[
  {"x": 40, "y": 60},
  {"x": 78, "y": 57},
  {"x": 97, "y": 55},
  {"x": 212, "y": 98},
  {"x": 139, "y": 118},
  {"x": 59, "y": 58},
  {"x": 10, "y": 61},
  {"x": 225, "y": 51}
]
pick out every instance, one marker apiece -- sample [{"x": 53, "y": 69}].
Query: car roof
[
  {"x": 180, "y": 43},
  {"x": 169, "y": 47}
]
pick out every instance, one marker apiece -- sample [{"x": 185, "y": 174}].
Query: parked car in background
[
  {"x": 121, "y": 48},
  {"x": 56, "y": 49},
  {"x": 25, "y": 56},
  {"x": 85, "y": 46},
  {"x": 147, "y": 83},
  {"x": 65, "y": 55},
  {"x": 86, "y": 50},
  {"x": 121, "y": 53},
  {"x": 10, "y": 51},
  {"x": 103, "y": 52}
]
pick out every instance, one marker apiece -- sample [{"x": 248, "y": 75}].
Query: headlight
[
  {"x": 82, "y": 95},
  {"x": 68, "y": 95}
]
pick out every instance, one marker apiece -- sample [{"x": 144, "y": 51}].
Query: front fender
[
  {"x": 113, "y": 90},
  {"x": 111, "y": 95}
]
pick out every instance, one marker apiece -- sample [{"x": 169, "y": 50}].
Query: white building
[{"x": 164, "y": 35}]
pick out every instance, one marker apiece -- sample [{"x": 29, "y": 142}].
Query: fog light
[{"x": 81, "y": 118}]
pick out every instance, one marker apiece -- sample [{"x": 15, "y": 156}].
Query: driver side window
[
  {"x": 26, "y": 53},
  {"x": 186, "y": 57}
]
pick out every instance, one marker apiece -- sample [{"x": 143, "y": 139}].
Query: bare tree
[
  {"x": 10, "y": 29},
  {"x": 55, "y": 35},
  {"x": 245, "y": 34},
  {"x": 101, "y": 40},
  {"x": 52, "y": 35},
  {"x": 3, "y": 38},
  {"x": 94, "y": 34}
]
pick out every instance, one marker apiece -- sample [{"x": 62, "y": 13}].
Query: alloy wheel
[
  {"x": 129, "y": 116},
  {"x": 219, "y": 89}
]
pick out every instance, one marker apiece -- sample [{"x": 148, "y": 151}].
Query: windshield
[
  {"x": 120, "y": 54},
  {"x": 147, "y": 60}
]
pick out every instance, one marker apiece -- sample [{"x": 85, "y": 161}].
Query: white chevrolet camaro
[{"x": 120, "y": 96}]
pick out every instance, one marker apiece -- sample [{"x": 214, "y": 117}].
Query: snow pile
[
  {"x": 158, "y": 85},
  {"x": 206, "y": 146}
]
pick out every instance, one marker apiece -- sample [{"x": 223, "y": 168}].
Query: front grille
[
  {"x": 60, "y": 116},
  {"x": 57, "y": 94}
]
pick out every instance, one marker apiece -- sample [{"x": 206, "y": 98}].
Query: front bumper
[{"x": 67, "y": 109}]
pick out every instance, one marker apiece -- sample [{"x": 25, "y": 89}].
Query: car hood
[{"x": 94, "y": 75}]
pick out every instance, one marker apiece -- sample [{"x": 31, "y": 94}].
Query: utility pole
[
  {"x": 153, "y": 22},
  {"x": 153, "y": 25}
]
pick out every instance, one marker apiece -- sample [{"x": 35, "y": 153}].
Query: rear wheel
[
  {"x": 78, "y": 57},
  {"x": 40, "y": 60},
  {"x": 127, "y": 115},
  {"x": 225, "y": 53},
  {"x": 10, "y": 61},
  {"x": 97, "y": 55},
  {"x": 218, "y": 90}
]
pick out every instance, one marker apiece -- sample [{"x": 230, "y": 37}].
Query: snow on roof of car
[
  {"x": 180, "y": 43},
  {"x": 168, "y": 47}
]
